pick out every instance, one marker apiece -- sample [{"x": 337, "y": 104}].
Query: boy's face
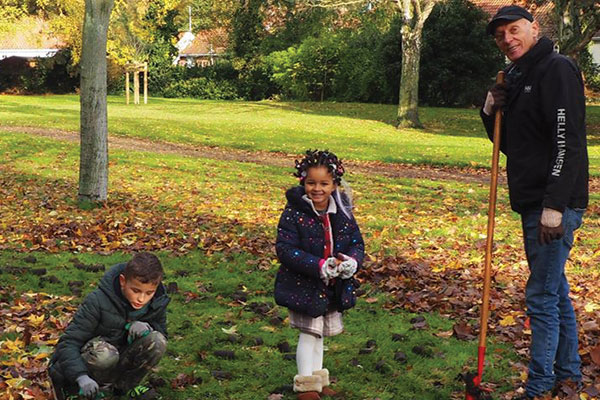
[
  {"x": 319, "y": 185},
  {"x": 137, "y": 293}
]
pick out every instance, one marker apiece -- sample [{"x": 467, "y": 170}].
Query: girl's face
[{"x": 319, "y": 185}]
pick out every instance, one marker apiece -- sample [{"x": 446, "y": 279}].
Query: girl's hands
[
  {"x": 347, "y": 266},
  {"x": 330, "y": 269}
]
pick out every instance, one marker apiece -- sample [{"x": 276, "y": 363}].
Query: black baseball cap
[{"x": 508, "y": 13}]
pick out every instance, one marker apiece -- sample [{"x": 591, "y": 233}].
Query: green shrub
[
  {"x": 307, "y": 72},
  {"x": 591, "y": 70},
  {"x": 361, "y": 74},
  {"x": 45, "y": 75},
  {"x": 201, "y": 88},
  {"x": 458, "y": 59}
]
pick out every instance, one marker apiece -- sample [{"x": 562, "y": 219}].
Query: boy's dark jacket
[
  {"x": 300, "y": 244},
  {"x": 544, "y": 103},
  {"x": 104, "y": 312}
]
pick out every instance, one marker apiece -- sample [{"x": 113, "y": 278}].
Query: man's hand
[
  {"x": 348, "y": 266},
  {"x": 550, "y": 227},
  {"x": 496, "y": 98},
  {"x": 87, "y": 386},
  {"x": 137, "y": 329},
  {"x": 330, "y": 269}
]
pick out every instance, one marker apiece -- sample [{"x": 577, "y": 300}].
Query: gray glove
[
  {"x": 329, "y": 270},
  {"x": 87, "y": 386},
  {"x": 138, "y": 329},
  {"x": 347, "y": 267}
]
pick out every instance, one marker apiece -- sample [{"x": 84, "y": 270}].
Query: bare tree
[{"x": 93, "y": 159}]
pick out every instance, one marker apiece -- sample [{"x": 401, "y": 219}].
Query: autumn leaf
[
  {"x": 595, "y": 355},
  {"x": 509, "y": 320}
]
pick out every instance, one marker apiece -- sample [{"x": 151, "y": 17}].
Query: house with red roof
[
  {"x": 29, "y": 41},
  {"x": 201, "y": 49}
]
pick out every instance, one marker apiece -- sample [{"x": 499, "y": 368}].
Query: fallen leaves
[
  {"x": 454, "y": 292},
  {"x": 31, "y": 325}
]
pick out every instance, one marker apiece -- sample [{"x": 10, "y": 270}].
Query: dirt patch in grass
[{"x": 278, "y": 159}]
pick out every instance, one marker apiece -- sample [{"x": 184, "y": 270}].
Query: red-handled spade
[{"x": 473, "y": 382}]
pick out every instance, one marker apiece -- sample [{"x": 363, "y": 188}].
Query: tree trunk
[
  {"x": 408, "y": 111},
  {"x": 415, "y": 13},
  {"x": 93, "y": 159}
]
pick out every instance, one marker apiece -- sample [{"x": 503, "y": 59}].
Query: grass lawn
[
  {"x": 452, "y": 136},
  {"x": 245, "y": 199},
  {"x": 229, "y": 211}
]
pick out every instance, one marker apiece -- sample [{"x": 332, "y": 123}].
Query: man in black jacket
[
  {"x": 116, "y": 336},
  {"x": 543, "y": 136}
]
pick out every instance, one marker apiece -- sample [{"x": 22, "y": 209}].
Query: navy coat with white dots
[{"x": 300, "y": 245}]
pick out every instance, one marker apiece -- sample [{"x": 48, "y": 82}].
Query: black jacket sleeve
[
  {"x": 563, "y": 107},
  {"x": 488, "y": 123},
  {"x": 81, "y": 329}
]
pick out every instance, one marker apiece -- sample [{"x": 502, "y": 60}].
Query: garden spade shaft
[{"x": 473, "y": 381}]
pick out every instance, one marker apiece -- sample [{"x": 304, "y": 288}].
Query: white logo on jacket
[
  {"x": 561, "y": 141},
  {"x": 527, "y": 89}
]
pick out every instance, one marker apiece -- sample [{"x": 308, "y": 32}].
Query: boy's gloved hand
[
  {"x": 137, "y": 329},
  {"x": 348, "y": 266},
  {"x": 87, "y": 386},
  {"x": 329, "y": 269}
]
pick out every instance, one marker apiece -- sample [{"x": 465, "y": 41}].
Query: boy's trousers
[{"x": 123, "y": 370}]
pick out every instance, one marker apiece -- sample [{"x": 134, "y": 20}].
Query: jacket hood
[
  {"x": 294, "y": 198},
  {"x": 110, "y": 281}
]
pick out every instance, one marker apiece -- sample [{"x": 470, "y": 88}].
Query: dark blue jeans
[{"x": 554, "y": 345}]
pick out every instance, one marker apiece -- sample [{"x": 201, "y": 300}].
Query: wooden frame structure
[{"x": 135, "y": 69}]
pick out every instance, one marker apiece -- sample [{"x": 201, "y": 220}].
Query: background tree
[
  {"x": 458, "y": 59},
  {"x": 577, "y": 22},
  {"x": 93, "y": 165},
  {"x": 414, "y": 14}
]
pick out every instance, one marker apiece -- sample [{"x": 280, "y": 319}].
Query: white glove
[
  {"x": 551, "y": 218},
  {"x": 489, "y": 103},
  {"x": 87, "y": 386},
  {"x": 347, "y": 267},
  {"x": 329, "y": 270}
]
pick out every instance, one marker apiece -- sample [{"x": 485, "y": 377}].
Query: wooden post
[
  {"x": 136, "y": 87},
  {"x": 127, "y": 87},
  {"x": 145, "y": 83}
]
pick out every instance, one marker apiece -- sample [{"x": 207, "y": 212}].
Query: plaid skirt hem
[{"x": 329, "y": 324}]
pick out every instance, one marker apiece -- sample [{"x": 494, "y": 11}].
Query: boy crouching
[{"x": 116, "y": 336}]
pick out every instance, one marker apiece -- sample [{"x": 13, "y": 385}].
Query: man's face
[{"x": 516, "y": 38}]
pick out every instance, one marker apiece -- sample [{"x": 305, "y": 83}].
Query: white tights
[{"x": 309, "y": 354}]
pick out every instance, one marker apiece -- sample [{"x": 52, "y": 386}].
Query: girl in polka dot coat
[{"x": 320, "y": 247}]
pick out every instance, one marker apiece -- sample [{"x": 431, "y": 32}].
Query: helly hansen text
[{"x": 561, "y": 145}]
